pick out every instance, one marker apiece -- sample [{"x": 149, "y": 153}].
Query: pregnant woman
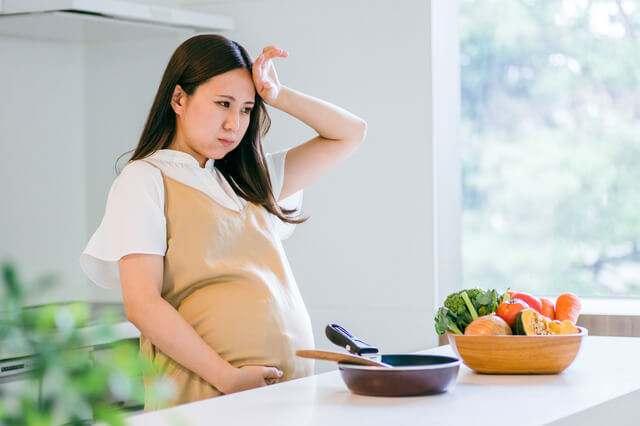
[{"x": 193, "y": 224}]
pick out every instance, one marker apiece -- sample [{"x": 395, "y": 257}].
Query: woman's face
[{"x": 213, "y": 120}]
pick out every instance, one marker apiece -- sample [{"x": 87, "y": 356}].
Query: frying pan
[{"x": 407, "y": 375}]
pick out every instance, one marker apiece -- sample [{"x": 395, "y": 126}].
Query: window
[{"x": 551, "y": 145}]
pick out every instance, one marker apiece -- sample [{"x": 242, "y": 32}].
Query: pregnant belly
[{"x": 246, "y": 324}]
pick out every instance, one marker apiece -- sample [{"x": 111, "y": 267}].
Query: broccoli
[
  {"x": 461, "y": 308},
  {"x": 455, "y": 304},
  {"x": 473, "y": 293},
  {"x": 460, "y": 302},
  {"x": 467, "y": 301}
]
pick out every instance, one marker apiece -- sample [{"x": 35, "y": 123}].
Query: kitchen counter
[
  {"x": 602, "y": 386},
  {"x": 91, "y": 336}
]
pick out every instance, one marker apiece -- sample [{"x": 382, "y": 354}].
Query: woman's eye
[
  {"x": 247, "y": 110},
  {"x": 224, "y": 104}
]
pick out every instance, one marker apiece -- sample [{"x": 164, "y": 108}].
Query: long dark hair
[{"x": 194, "y": 62}]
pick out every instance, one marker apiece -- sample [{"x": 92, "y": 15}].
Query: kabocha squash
[
  {"x": 531, "y": 323},
  {"x": 563, "y": 327}
]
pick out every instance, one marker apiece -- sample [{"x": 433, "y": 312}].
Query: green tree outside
[{"x": 551, "y": 145}]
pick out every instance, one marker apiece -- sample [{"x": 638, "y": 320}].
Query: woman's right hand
[{"x": 249, "y": 377}]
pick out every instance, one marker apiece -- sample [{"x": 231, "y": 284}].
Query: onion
[{"x": 488, "y": 325}]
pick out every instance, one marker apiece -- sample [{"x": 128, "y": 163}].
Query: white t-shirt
[{"x": 134, "y": 220}]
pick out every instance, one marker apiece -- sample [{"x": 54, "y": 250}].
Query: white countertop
[{"x": 605, "y": 372}]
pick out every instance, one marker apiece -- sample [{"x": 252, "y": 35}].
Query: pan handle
[{"x": 341, "y": 337}]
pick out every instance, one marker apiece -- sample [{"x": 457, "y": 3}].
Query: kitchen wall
[
  {"x": 366, "y": 259},
  {"x": 42, "y": 175}
]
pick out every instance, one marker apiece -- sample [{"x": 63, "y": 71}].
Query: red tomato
[
  {"x": 532, "y": 301},
  {"x": 509, "y": 309}
]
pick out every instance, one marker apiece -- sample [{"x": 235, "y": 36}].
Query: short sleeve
[
  {"x": 275, "y": 164},
  {"x": 133, "y": 222}
]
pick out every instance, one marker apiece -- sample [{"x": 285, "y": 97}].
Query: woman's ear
[{"x": 178, "y": 99}]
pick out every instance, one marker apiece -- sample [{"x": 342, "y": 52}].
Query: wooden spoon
[{"x": 340, "y": 357}]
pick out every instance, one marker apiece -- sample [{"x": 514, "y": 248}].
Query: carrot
[
  {"x": 547, "y": 308},
  {"x": 568, "y": 307}
]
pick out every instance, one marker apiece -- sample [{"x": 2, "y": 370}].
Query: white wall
[
  {"x": 365, "y": 259},
  {"x": 42, "y": 211}
]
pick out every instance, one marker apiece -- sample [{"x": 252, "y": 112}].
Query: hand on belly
[{"x": 250, "y": 377}]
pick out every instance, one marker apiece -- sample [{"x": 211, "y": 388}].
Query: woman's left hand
[{"x": 265, "y": 77}]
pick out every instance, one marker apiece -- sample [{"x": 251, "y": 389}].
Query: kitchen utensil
[
  {"x": 340, "y": 357},
  {"x": 510, "y": 354},
  {"x": 409, "y": 374}
]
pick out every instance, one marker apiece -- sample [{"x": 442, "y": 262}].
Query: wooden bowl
[{"x": 517, "y": 354}]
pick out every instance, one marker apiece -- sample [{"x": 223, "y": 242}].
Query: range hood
[{"x": 100, "y": 20}]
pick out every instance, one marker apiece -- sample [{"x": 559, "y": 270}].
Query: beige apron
[{"x": 226, "y": 273}]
